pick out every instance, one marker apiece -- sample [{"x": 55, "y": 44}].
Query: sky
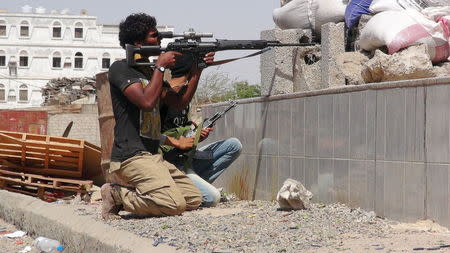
[{"x": 226, "y": 19}]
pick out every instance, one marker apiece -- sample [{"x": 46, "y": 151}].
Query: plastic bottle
[{"x": 48, "y": 245}]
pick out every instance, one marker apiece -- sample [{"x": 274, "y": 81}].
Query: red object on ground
[{"x": 34, "y": 122}]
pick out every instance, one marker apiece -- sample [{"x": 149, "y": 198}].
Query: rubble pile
[{"x": 63, "y": 91}]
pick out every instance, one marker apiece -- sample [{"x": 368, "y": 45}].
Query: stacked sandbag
[
  {"x": 403, "y": 28},
  {"x": 309, "y": 14},
  {"x": 357, "y": 8},
  {"x": 294, "y": 15}
]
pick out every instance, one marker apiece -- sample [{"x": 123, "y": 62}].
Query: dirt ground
[
  {"x": 8, "y": 245},
  {"x": 422, "y": 236}
]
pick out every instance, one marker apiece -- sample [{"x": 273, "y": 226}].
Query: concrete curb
[{"x": 79, "y": 234}]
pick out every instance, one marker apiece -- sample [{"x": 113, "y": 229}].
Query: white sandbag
[
  {"x": 293, "y": 195},
  {"x": 284, "y": 2},
  {"x": 436, "y": 13},
  {"x": 400, "y": 29},
  {"x": 324, "y": 11},
  {"x": 394, "y": 5},
  {"x": 293, "y": 15},
  {"x": 309, "y": 14}
]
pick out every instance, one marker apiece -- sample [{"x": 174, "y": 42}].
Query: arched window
[
  {"x": 2, "y": 28},
  {"x": 24, "y": 29},
  {"x": 57, "y": 29},
  {"x": 2, "y": 92},
  {"x": 78, "y": 30},
  {"x": 56, "y": 60},
  {"x": 23, "y": 93},
  {"x": 2, "y": 58},
  {"x": 23, "y": 59},
  {"x": 78, "y": 60},
  {"x": 106, "y": 61}
]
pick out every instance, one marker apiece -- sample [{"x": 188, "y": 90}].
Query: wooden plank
[
  {"x": 52, "y": 172},
  {"x": 66, "y": 180},
  {"x": 63, "y": 158},
  {"x": 14, "y": 153},
  {"x": 79, "y": 186},
  {"x": 54, "y": 145},
  {"x": 66, "y": 140},
  {"x": 8, "y": 146},
  {"x": 64, "y": 153}
]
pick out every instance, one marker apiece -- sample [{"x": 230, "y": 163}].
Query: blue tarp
[{"x": 355, "y": 9}]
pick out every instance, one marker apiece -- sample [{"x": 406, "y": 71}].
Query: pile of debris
[{"x": 63, "y": 91}]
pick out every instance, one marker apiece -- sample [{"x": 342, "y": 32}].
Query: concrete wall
[
  {"x": 383, "y": 147},
  {"x": 85, "y": 124},
  {"x": 294, "y": 69}
]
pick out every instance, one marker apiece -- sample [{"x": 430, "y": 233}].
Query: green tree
[
  {"x": 244, "y": 90},
  {"x": 217, "y": 87}
]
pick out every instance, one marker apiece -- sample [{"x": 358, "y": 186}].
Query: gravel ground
[
  {"x": 8, "y": 245},
  {"x": 257, "y": 226}
]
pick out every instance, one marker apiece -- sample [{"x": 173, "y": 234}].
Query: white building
[{"x": 38, "y": 46}]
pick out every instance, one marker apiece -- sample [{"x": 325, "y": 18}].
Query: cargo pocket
[{"x": 146, "y": 188}]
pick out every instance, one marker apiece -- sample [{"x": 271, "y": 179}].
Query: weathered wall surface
[
  {"x": 383, "y": 147},
  {"x": 34, "y": 122},
  {"x": 85, "y": 124}
]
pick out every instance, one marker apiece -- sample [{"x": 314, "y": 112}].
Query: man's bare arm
[{"x": 146, "y": 98}]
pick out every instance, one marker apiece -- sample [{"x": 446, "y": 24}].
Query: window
[
  {"x": 56, "y": 60},
  {"x": 23, "y": 93},
  {"x": 106, "y": 61},
  {"x": 78, "y": 60},
  {"x": 23, "y": 59},
  {"x": 24, "y": 29},
  {"x": 2, "y": 58},
  {"x": 56, "y": 30},
  {"x": 2, "y": 28},
  {"x": 2, "y": 92},
  {"x": 78, "y": 30}
]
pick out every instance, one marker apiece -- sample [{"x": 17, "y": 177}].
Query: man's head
[
  {"x": 183, "y": 65},
  {"x": 138, "y": 28}
]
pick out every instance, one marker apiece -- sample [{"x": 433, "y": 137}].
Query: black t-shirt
[
  {"x": 171, "y": 117},
  {"x": 134, "y": 131}
]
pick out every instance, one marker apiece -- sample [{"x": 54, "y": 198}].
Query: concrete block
[
  {"x": 307, "y": 67},
  {"x": 277, "y": 65},
  {"x": 333, "y": 44}
]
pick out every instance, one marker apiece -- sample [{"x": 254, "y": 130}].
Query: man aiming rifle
[{"x": 158, "y": 188}]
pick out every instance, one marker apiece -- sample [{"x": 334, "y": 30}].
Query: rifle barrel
[{"x": 278, "y": 44}]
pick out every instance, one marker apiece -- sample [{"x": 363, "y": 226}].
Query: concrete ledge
[
  {"x": 344, "y": 89},
  {"x": 79, "y": 234}
]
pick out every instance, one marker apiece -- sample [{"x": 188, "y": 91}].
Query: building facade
[{"x": 36, "y": 46}]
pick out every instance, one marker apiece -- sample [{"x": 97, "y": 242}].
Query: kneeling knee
[
  {"x": 235, "y": 144},
  {"x": 175, "y": 208}
]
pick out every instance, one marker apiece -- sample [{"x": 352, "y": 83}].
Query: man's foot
[{"x": 110, "y": 210}]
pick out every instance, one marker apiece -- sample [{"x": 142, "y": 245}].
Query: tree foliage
[{"x": 217, "y": 87}]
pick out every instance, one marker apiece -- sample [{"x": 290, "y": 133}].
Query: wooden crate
[
  {"x": 35, "y": 185},
  {"x": 49, "y": 155}
]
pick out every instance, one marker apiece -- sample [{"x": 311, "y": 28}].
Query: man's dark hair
[{"x": 135, "y": 28}]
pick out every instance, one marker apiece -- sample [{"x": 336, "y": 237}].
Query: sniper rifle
[{"x": 191, "y": 42}]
